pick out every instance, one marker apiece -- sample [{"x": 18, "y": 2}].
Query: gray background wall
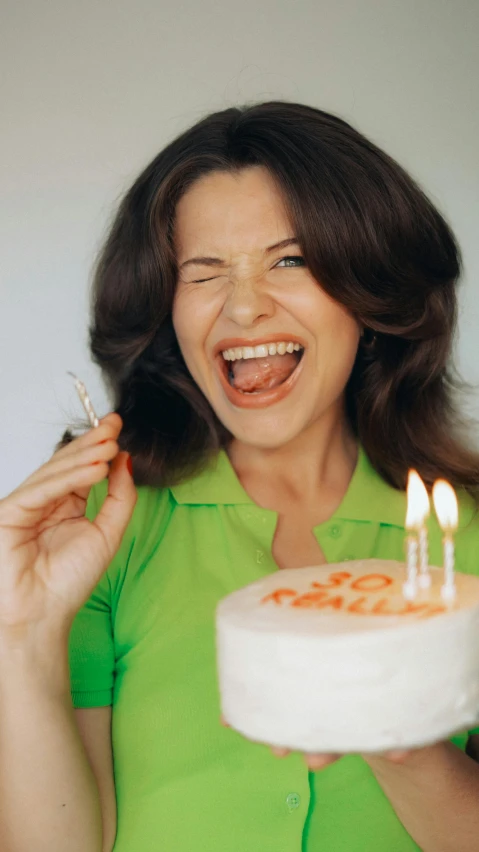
[{"x": 91, "y": 91}]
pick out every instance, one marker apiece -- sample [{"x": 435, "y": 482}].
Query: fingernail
[
  {"x": 129, "y": 465},
  {"x": 279, "y": 752},
  {"x": 398, "y": 755},
  {"x": 320, "y": 761}
]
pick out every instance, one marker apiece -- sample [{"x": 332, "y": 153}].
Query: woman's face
[{"x": 242, "y": 297}]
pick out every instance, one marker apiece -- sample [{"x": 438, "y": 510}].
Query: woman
[{"x": 273, "y": 311}]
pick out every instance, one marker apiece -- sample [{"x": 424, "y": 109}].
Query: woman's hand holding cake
[
  {"x": 320, "y": 761},
  {"x": 317, "y": 761}
]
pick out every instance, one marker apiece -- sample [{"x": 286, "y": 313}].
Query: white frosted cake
[{"x": 334, "y": 659}]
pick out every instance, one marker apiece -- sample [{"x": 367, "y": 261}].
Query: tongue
[{"x": 260, "y": 374}]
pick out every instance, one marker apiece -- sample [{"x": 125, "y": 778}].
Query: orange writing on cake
[
  {"x": 336, "y": 578},
  {"x": 383, "y": 607},
  {"x": 319, "y": 600},
  {"x": 324, "y": 596},
  {"x": 278, "y": 595},
  {"x": 357, "y": 605},
  {"x": 309, "y": 599},
  {"x": 372, "y": 582}
]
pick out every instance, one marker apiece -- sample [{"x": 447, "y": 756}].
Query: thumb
[{"x": 115, "y": 514}]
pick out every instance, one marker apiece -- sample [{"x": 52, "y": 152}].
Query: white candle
[
  {"x": 410, "y": 586},
  {"x": 445, "y": 504},
  {"x": 448, "y": 590},
  {"x": 417, "y": 512},
  {"x": 424, "y": 573},
  {"x": 85, "y": 400}
]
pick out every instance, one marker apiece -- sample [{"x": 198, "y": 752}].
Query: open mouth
[{"x": 255, "y": 374}]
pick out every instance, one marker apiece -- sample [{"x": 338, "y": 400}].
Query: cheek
[
  {"x": 334, "y": 328},
  {"x": 195, "y": 311},
  {"x": 192, "y": 322},
  {"x": 186, "y": 316},
  {"x": 337, "y": 335},
  {"x": 347, "y": 332},
  {"x": 345, "y": 335},
  {"x": 326, "y": 320}
]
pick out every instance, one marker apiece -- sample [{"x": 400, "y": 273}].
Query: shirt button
[
  {"x": 335, "y": 531},
  {"x": 259, "y": 556},
  {"x": 293, "y": 800}
]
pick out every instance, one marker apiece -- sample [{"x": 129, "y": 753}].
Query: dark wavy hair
[{"x": 367, "y": 232}]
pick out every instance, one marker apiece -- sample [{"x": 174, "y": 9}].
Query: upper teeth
[{"x": 261, "y": 351}]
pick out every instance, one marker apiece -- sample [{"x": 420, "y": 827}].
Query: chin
[{"x": 266, "y": 433}]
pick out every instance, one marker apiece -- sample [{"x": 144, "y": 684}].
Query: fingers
[
  {"x": 104, "y": 451},
  {"x": 313, "y": 761},
  {"x": 68, "y": 471},
  {"x": 96, "y": 446},
  {"x": 26, "y": 506},
  {"x": 110, "y": 427},
  {"x": 81, "y": 450},
  {"x": 319, "y": 761},
  {"x": 398, "y": 755},
  {"x": 280, "y": 752},
  {"x": 37, "y": 491},
  {"x": 117, "y": 509}
]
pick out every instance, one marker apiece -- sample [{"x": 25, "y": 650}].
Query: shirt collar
[
  {"x": 216, "y": 483},
  {"x": 368, "y": 498}
]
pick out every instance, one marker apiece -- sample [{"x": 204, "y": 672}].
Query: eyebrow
[{"x": 217, "y": 261}]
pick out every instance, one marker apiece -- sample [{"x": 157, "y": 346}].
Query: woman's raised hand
[{"x": 51, "y": 556}]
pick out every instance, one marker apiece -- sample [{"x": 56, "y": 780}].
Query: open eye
[
  {"x": 297, "y": 259},
  {"x": 292, "y": 257}
]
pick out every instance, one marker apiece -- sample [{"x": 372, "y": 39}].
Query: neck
[{"x": 323, "y": 456}]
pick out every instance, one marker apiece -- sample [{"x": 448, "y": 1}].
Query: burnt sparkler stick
[{"x": 85, "y": 400}]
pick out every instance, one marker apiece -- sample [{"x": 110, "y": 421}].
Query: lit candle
[
  {"x": 445, "y": 504},
  {"x": 418, "y": 508}
]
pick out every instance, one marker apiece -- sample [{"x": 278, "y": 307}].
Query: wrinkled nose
[{"x": 247, "y": 302}]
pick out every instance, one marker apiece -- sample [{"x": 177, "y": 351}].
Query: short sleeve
[{"x": 91, "y": 645}]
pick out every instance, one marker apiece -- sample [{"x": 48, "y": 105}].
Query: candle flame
[
  {"x": 418, "y": 506},
  {"x": 445, "y": 504}
]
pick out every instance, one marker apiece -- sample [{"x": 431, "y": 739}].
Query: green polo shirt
[{"x": 145, "y": 643}]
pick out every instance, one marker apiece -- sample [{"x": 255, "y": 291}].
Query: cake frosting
[{"x": 333, "y": 658}]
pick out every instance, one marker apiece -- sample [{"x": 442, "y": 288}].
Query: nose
[{"x": 247, "y": 302}]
